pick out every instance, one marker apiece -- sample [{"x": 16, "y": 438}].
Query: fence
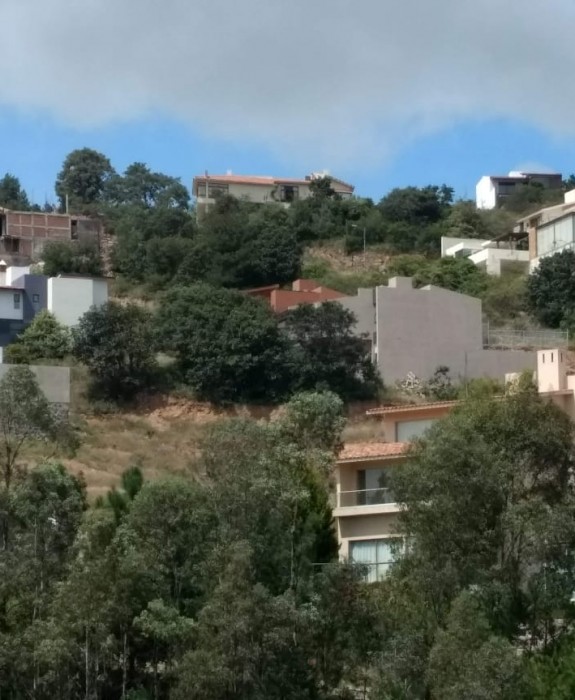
[{"x": 524, "y": 340}]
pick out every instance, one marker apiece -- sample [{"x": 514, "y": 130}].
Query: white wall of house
[
  {"x": 14, "y": 272},
  {"x": 70, "y": 297},
  {"x": 11, "y": 304},
  {"x": 486, "y": 193},
  {"x": 494, "y": 260}
]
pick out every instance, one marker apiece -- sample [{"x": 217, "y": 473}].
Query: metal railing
[
  {"x": 511, "y": 338},
  {"x": 365, "y": 497}
]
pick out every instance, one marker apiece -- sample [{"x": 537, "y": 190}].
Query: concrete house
[
  {"x": 549, "y": 230},
  {"x": 414, "y": 331},
  {"x": 23, "y": 235},
  {"x": 259, "y": 189},
  {"x": 366, "y": 511},
  {"x": 23, "y": 295},
  {"x": 492, "y": 190},
  {"x": 493, "y": 256},
  {"x": 365, "y": 507}
]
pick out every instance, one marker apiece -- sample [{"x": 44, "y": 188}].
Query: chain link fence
[{"x": 524, "y": 340}]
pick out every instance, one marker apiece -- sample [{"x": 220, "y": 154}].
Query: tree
[
  {"x": 551, "y": 288},
  {"x": 416, "y": 205},
  {"x": 139, "y": 186},
  {"x": 320, "y": 188},
  {"x": 314, "y": 420},
  {"x": 457, "y": 274},
  {"x": 489, "y": 504},
  {"x": 12, "y": 196},
  {"x": 77, "y": 258},
  {"x": 82, "y": 181},
  {"x": 44, "y": 338},
  {"x": 25, "y": 414},
  {"x": 227, "y": 345},
  {"x": 330, "y": 355},
  {"x": 469, "y": 661},
  {"x": 116, "y": 343}
]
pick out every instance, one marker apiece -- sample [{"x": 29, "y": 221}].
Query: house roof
[
  {"x": 372, "y": 450},
  {"x": 405, "y": 408},
  {"x": 264, "y": 180},
  {"x": 6, "y": 288}
]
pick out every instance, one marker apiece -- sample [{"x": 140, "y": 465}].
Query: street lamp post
[{"x": 364, "y": 240}]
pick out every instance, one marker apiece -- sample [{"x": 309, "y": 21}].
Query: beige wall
[{"x": 366, "y": 527}]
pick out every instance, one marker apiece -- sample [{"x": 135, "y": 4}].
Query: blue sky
[
  {"x": 33, "y": 148},
  {"x": 381, "y": 93}
]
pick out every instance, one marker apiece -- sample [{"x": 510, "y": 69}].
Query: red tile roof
[
  {"x": 366, "y": 450},
  {"x": 404, "y": 408}
]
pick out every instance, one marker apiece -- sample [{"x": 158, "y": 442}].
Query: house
[
  {"x": 259, "y": 189},
  {"x": 23, "y": 295},
  {"x": 549, "y": 230},
  {"x": 414, "y": 331},
  {"x": 23, "y": 235},
  {"x": 302, "y": 292},
  {"x": 366, "y": 511},
  {"x": 493, "y": 256},
  {"x": 492, "y": 190}
]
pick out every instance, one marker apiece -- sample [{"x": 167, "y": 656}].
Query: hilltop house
[
  {"x": 494, "y": 256},
  {"x": 259, "y": 189},
  {"x": 492, "y": 190}
]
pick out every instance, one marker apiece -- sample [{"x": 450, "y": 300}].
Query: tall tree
[
  {"x": 330, "y": 355},
  {"x": 12, "y": 195},
  {"x": 227, "y": 345},
  {"x": 139, "y": 186},
  {"x": 116, "y": 343},
  {"x": 551, "y": 288},
  {"x": 82, "y": 180}
]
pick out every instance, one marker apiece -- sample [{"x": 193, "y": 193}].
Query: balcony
[{"x": 365, "y": 502}]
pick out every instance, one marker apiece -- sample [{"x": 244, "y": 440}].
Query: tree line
[{"x": 224, "y": 583}]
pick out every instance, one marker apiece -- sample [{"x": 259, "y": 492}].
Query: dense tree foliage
[
  {"x": 82, "y": 181},
  {"x": 328, "y": 352},
  {"x": 75, "y": 257},
  {"x": 228, "y": 346},
  {"x": 116, "y": 343},
  {"x": 44, "y": 339},
  {"x": 551, "y": 289},
  {"x": 12, "y": 195}
]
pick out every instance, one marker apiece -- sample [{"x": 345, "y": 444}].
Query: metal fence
[{"x": 528, "y": 340}]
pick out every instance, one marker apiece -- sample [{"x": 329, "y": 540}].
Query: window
[
  {"x": 35, "y": 300},
  {"x": 555, "y": 236},
  {"x": 288, "y": 193},
  {"x": 74, "y": 230},
  {"x": 212, "y": 190},
  {"x": 12, "y": 245},
  {"x": 373, "y": 487},
  {"x": 408, "y": 430},
  {"x": 376, "y": 555},
  {"x": 16, "y": 301}
]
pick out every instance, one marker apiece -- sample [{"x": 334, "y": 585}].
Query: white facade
[
  {"x": 486, "y": 193},
  {"x": 70, "y": 297},
  {"x": 11, "y": 304},
  {"x": 493, "y": 257},
  {"x": 14, "y": 272}
]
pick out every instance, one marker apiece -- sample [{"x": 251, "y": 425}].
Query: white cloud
[{"x": 319, "y": 81}]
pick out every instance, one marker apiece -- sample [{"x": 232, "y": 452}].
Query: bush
[
  {"x": 45, "y": 338},
  {"x": 71, "y": 258},
  {"x": 551, "y": 288},
  {"x": 115, "y": 342}
]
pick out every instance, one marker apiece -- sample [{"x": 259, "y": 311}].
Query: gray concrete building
[{"x": 417, "y": 330}]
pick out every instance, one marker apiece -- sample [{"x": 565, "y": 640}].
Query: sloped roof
[{"x": 366, "y": 450}]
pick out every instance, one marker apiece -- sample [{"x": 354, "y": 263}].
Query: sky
[{"x": 381, "y": 93}]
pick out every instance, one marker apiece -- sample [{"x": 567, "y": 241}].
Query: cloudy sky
[{"x": 381, "y": 92}]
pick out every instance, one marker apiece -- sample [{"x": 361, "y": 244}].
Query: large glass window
[
  {"x": 376, "y": 555},
  {"x": 555, "y": 236},
  {"x": 373, "y": 487},
  {"x": 408, "y": 430}
]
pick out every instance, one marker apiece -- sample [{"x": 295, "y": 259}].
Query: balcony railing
[{"x": 364, "y": 497}]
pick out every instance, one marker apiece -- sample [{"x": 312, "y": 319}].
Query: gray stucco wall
[
  {"x": 417, "y": 330},
  {"x": 54, "y": 381}
]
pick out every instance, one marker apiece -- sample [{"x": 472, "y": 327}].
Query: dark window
[
  {"x": 12, "y": 245},
  {"x": 36, "y": 300},
  {"x": 16, "y": 301},
  {"x": 288, "y": 193},
  {"x": 74, "y": 230}
]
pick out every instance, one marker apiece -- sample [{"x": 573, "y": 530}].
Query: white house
[
  {"x": 493, "y": 256},
  {"x": 70, "y": 296},
  {"x": 491, "y": 190}
]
